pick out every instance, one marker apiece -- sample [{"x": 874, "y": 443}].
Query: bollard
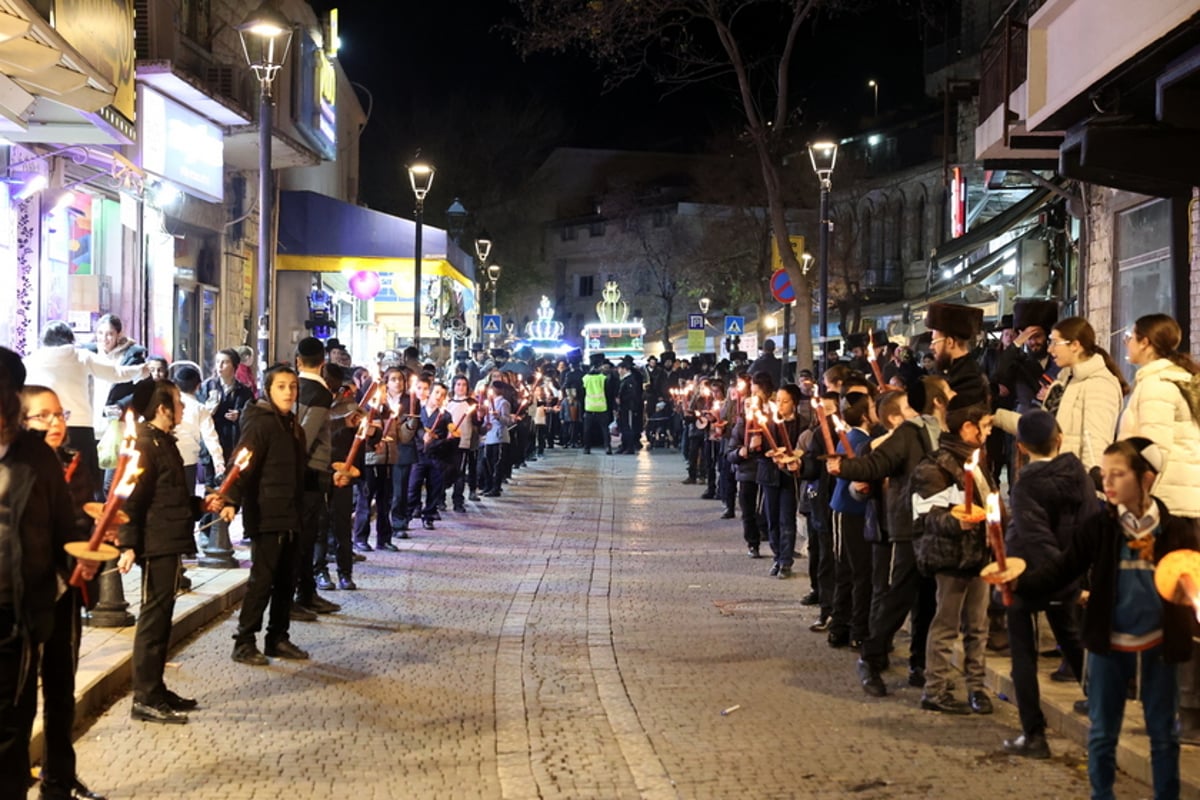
[
  {"x": 111, "y": 610},
  {"x": 218, "y": 549}
]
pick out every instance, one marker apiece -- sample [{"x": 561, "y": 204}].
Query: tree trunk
[{"x": 668, "y": 309}]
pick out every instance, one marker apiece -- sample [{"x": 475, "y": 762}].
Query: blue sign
[
  {"x": 182, "y": 146},
  {"x": 491, "y": 324},
  {"x": 735, "y": 326},
  {"x": 781, "y": 286},
  {"x": 695, "y": 322},
  {"x": 315, "y": 110}
]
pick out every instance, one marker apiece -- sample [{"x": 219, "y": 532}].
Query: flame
[
  {"x": 871, "y": 352},
  {"x": 974, "y": 462},
  {"x": 129, "y": 439},
  {"x": 839, "y": 424},
  {"x": 993, "y": 509},
  {"x": 128, "y": 480},
  {"x": 816, "y": 404},
  {"x": 363, "y": 427},
  {"x": 241, "y": 459}
]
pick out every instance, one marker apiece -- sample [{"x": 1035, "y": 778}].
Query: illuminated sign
[
  {"x": 958, "y": 203},
  {"x": 181, "y": 146},
  {"x": 316, "y": 99}
]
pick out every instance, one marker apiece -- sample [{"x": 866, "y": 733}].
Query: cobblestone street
[{"x": 576, "y": 638}]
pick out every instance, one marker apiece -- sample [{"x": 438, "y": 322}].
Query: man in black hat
[
  {"x": 629, "y": 407},
  {"x": 955, "y": 329},
  {"x": 767, "y": 362},
  {"x": 1025, "y": 367},
  {"x": 856, "y": 349},
  {"x": 313, "y": 403},
  {"x": 595, "y": 405}
]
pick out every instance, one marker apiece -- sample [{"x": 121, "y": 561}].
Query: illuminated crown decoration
[
  {"x": 612, "y": 310},
  {"x": 545, "y": 326}
]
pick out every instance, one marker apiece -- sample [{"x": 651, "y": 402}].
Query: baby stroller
[{"x": 658, "y": 426}]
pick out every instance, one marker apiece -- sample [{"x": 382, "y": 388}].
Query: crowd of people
[{"x": 875, "y": 469}]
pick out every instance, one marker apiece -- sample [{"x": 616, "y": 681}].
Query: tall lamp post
[
  {"x": 493, "y": 273},
  {"x": 266, "y": 38},
  {"x": 483, "y": 249},
  {"x": 420, "y": 175},
  {"x": 873, "y": 85},
  {"x": 823, "y": 156}
]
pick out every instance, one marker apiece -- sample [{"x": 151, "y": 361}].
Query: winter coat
[
  {"x": 819, "y": 482},
  {"x": 1049, "y": 502},
  {"x": 746, "y": 469},
  {"x": 769, "y": 364},
  {"x": 1087, "y": 412},
  {"x": 220, "y": 402},
  {"x": 462, "y": 416},
  {"x": 162, "y": 508},
  {"x": 66, "y": 369},
  {"x": 966, "y": 378},
  {"x": 271, "y": 489},
  {"x": 842, "y": 499},
  {"x": 312, "y": 413},
  {"x": 940, "y": 543},
  {"x": 441, "y": 446},
  {"x": 1023, "y": 375},
  {"x": 498, "y": 421},
  {"x": 119, "y": 393},
  {"x": 1097, "y": 545},
  {"x": 1157, "y": 410},
  {"x": 33, "y": 492},
  {"x": 896, "y": 459}
]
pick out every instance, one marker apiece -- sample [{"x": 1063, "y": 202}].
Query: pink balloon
[{"x": 365, "y": 285}]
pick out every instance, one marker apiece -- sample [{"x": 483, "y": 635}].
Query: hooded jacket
[
  {"x": 940, "y": 543},
  {"x": 66, "y": 369},
  {"x": 1049, "y": 502},
  {"x": 162, "y": 508},
  {"x": 312, "y": 412},
  {"x": 1158, "y": 410},
  {"x": 271, "y": 489}
]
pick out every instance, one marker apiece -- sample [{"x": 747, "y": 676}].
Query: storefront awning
[
  {"x": 328, "y": 235},
  {"x": 45, "y": 83},
  {"x": 998, "y": 225}
]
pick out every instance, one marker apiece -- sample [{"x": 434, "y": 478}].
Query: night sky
[{"x": 444, "y": 77}]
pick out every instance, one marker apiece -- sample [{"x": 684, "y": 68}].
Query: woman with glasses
[
  {"x": 1159, "y": 410},
  {"x": 1086, "y": 396}
]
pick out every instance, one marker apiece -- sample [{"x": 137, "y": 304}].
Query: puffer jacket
[
  {"x": 67, "y": 369},
  {"x": 312, "y": 412},
  {"x": 33, "y": 491},
  {"x": 746, "y": 469},
  {"x": 1157, "y": 410},
  {"x": 162, "y": 508},
  {"x": 271, "y": 490},
  {"x": 940, "y": 543},
  {"x": 1087, "y": 413},
  {"x": 1049, "y": 502}
]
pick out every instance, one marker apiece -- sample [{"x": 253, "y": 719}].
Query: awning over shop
[
  {"x": 323, "y": 234},
  {"x": 998, "y": 225},
  {"x": 45, "y": 84}
]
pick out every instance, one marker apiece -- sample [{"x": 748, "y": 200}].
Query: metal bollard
[{"x": 111, "y": 610}]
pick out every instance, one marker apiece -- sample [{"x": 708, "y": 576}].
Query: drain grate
[{"x": 760, "y": 608}]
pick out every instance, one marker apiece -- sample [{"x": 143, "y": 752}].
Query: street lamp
[
  {"x": 266, "y": 38},
  {"x": 705, "y": 304},
  {"x": 420, "y": 175},
  {"x": 823, "y": 156},
  {"x": 874, "y": 85},
  {"x": 493, "y": 278},
  {"x": 483, "y": 248}
]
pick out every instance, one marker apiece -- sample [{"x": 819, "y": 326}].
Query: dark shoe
[
  {"x": 402, "y": 533},
  {"x": 587, "y": 452},
  {"x": 608, "y": 452},
  {"x": 838, "y": 640},
  {"x": 248, "y": 654},
  {"x": 437, "y": 517},
  {"x": 1081, "y": 707},
  {"x": 321, "y": 605},
  {"x": 358, "y": 557},
  {"x": 774, "y": 573},
  {"x": 363, "y": 547},
  {"x": 324, "y": 582},
  {"x": 809, "y": 599},
  {"x": 399, "y": 527},
  {"x": 427, "y": 524},
  {"x": 347, "y": 583},
  {"x": 76, "y": 790},
  {"x": 162, "y": 714},
  {"x": 388, "y": 546},
  {"x": 916, "y": 677},
  {"x": 944, "y": 705},
  {"x": 708, "y": 496},
  {"x": 178, "y": 703},
  {"x": 785, "y": 573},
  {"x": 752, "y": 551},
  {"x": 821, "y": 625},
  {"x": 1064, "y": 674},
  {"x": 980, "y": 703},
  {"x": 1034, "y": 746},
  {"x": 285, "y": 649},
  {"x": 473, "y": 497},
  {"x": 728, "y": 515},
  {"x": 872, "y": 683},
  {"x": 301, "y": 614},
  {"x": 856, "y": 644},
  {"x": 688, "y": 481},
  {"x": 461, "y": 509}
]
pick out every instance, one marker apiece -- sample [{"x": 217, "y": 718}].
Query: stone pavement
[{"x": 576, "y": 638}]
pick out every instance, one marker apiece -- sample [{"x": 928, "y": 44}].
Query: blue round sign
[{"x": 781, "y": 286}]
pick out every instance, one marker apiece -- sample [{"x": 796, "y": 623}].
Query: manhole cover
[{"x": 760, "y": 608}]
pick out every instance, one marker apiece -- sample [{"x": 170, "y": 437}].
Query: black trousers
[
  {"x": 825, "y": 569},
  {"x": 400, "y": 512},
  {"x": 754, "y": 521},
  {"x": 491, "y": 478},
  {"x": 17, "y": 707},
  {"x": 273, "y": 555},
  {"x": 426, "y": 472},
  {"x": 313, "y": 523},
  {"x": 160, "y": 581},
  {"x": 852, "y": 581},
  {"x": 60, "y": 657},
  {"x": 84, "y": 440},
  {"x": 906, "y": 592},
  {"x": 466, "y": 475},
  {"x": 375, "y": 484},
  {"x": 1023, "y": 644},
  {"x": 595, "y": 430},
  {"x": 336, "y": 537}
]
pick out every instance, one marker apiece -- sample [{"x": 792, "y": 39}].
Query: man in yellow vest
[{"x": 595, "y": 405}]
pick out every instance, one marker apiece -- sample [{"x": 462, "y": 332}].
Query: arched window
[{"x": 921, "y": 246}]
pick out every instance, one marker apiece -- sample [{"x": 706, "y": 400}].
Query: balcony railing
[{"x": 1004, "y": 59}]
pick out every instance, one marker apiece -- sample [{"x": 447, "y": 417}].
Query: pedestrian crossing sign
[
  {"x": 735, "y": 326},
  {"x": 491, "y": 324}
]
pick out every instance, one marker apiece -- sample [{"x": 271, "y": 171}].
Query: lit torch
[
  {"x": 874, "y": 359},
  {"x": 1177, "y": 578},
  {"x": 1004, "y": 570},
  {"x": 843, "y": 431},
  {"x": 96, "y": 548}
]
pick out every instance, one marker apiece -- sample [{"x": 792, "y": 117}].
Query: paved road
[{"x": 576, "y": 638}]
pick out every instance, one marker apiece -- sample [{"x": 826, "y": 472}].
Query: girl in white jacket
[
  {"x": 1158, "y": 410},
  {"x": 1086, "y": 396}
]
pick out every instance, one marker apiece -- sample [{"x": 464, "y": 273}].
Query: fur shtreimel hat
[
  {"x": 961, "y": 322},
  {"x": 1028, "y": 312}
]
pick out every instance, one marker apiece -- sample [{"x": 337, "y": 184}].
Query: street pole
[
  {"x": 420, "y": 213},
  {"x": 266, "y": 204},
  {"x": 787, "y": 327},
  {"x": 823, "y": 286}
]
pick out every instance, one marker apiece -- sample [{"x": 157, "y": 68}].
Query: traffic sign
[
  {"x": 781, "y": 286},
  {"x": 695, "y": 322},
  {"x": 735, "y": 326},
  {"x": 797, "y": 243},
  {"x": 491, "y": 324}
]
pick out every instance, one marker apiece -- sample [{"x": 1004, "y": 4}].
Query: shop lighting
[
  {"x": 166, "y": 195},
  {"x": 32, "y": 187},
  {"x": 64, "y": 200}
]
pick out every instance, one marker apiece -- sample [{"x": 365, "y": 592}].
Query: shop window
[{"x": 1145, "y": 279}]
